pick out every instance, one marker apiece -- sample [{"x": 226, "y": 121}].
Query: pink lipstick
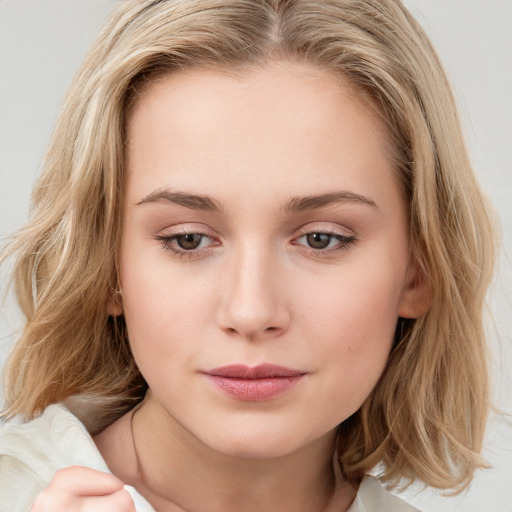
[{"x": 254, "y": 384}]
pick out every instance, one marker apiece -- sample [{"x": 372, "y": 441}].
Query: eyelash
[
  {"x": 344, "y": 242},
  {"x": 169, "y": 243}
]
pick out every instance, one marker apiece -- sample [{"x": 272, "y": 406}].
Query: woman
[{"x": 255, "y": 267}]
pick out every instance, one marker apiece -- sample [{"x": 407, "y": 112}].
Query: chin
[
  {"x": 256, "y": 449},
  {"x": 258, "y": 441}
]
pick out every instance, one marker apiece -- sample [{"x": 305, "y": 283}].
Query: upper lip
[{"x": 241, "y": 371}]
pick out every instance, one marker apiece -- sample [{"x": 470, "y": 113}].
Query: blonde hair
[{"x": 426, "y": 417}]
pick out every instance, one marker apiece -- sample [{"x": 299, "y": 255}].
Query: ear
[
  {"x": 115, "y": 303},
  {"x": 416, "y": 296}
]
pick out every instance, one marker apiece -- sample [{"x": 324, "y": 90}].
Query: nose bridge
[{"x": 253, "y": 303}]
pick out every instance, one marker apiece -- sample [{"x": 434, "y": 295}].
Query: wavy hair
[{"x": 426, "y": 417}]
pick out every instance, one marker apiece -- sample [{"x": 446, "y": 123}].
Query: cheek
[
  {"x": 360, "y": 307},
  {"x": 162, "y": 310},
  {"x": 353, "y": 325},
  {"x": 359, "y": 337}
]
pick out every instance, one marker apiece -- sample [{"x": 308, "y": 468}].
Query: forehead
[
  {"x": 264, "y": 86},
  {"x": 285, "y": 124}
]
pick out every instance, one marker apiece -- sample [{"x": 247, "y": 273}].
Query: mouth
[{"x": 254, "y": 384}]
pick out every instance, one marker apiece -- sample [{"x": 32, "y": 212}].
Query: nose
[{"x": 253, "y": 301}]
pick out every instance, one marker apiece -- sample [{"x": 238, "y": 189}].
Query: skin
[
  {"x": 84, "y": 489},
  {"x": 258, "y": 146}
]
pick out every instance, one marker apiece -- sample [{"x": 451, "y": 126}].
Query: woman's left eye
[{"x": 320, "y": 241}]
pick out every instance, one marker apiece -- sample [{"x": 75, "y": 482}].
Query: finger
[
  {"x": 52, "y": 500},
  {"x": 119, "y": 501},
  {"x": 84, "y": 481},
  {"x": 60, "y": 501}
]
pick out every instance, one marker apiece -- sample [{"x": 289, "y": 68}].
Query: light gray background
[{"x": 43, "y": 41}]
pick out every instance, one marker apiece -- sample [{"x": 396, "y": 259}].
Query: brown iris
[
  {"x": 189, "y": 241},
  {"x": 318, "y": 240}
]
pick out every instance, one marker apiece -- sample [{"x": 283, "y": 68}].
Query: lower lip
[{"x": 255, "y": 390}]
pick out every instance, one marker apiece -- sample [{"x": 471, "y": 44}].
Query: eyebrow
[
  {"x": 301, "y": 204},
  {"x": 295, "y": 205},
  {"x": 192, "y": 201}
]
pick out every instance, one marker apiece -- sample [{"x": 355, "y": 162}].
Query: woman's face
[{"x": 264, "y": 225}]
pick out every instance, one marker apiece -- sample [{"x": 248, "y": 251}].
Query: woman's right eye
[
  {"x": 190, "y": 241},
  {"x": 185, "y": 244}
]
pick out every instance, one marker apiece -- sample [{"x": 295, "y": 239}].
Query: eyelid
[
  {"x": 184, "y": 228},
  {"x": 167, "y": 236},
  {"x": 329, "y": 228},
  {"x": 346, "y": 238}
]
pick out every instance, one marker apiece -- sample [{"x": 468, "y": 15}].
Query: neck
[{"x": 177, "y": 472}]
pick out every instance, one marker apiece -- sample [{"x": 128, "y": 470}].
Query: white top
[{"x": 31, "y": 453}]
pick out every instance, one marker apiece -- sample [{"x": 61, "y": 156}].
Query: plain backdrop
[{"x": 43, "y": 41}]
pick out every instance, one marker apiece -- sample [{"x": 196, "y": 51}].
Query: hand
[{"x": 82, "y": 489}]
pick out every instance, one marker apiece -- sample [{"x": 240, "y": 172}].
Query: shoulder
[
  {"x": 372, "y": 496},
  {"x": 53, "y": 440},
  {"x": 31, "y": 453}
]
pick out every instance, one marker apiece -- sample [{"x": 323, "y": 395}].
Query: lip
[{"x": 256, "y": 383}]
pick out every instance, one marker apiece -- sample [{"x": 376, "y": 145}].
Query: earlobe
[
  {"x": 114, "y": 303},
  {"x": 416, "y": 296}
]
